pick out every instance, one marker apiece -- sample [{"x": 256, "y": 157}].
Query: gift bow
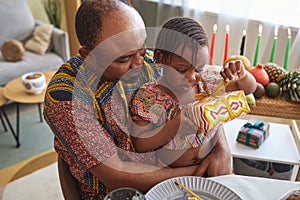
[
  {"x": 257, "y": 125},
  {"x": 217, "y": 94}
]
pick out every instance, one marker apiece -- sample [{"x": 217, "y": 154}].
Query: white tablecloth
[
  {"x": 44, "y": 184},
  {"x": 254, "y": 188}
]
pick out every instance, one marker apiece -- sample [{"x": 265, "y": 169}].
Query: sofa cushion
[
  {"x": 30, "y": 62},
  {"x": 40, "y": 41},
  {"x": 17, "y": 21}
]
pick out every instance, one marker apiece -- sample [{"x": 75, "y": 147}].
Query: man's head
[
  {"x": 113, "y": 34},
  {"x": 89, "y": 20}
]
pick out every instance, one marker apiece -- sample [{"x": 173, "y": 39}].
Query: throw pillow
[
  {"x": 41, "y": 39},
  {"x": 12, "y": 50}
]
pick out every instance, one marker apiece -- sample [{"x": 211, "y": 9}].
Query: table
[
  {"x": 44, "y": 184},
  {"x": 3, "y": 101},
  {"x": 249, "y": 187},
  {"x": 15, "y": 91},
  {"x": 278, "y": 110},
  {"x": 279, "y": 147}
]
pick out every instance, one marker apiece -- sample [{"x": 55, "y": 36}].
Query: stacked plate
[{"x": 203, "y": 187}]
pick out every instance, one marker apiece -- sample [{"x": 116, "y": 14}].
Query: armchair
[{"x": 17, "y": 23}]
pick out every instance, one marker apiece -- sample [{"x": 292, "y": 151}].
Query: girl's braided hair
[{"x": 181, "y": 31}]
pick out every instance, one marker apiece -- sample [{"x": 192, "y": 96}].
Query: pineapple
[
  {"x": 290, "y": 85},
  {"x": 274, "y": 71}
]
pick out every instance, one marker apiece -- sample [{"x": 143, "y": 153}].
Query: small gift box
[
  {"x": 253, "y": 133},
  {"x": 213, "y": 110}
]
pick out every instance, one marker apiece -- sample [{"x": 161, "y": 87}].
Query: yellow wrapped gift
[{"x": 212, "y": 110}]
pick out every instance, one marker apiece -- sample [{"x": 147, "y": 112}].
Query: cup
[
  {"x": 34, "y": 82},
  {"x": 125, "y": 193}
]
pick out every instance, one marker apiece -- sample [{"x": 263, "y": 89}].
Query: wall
[
  {"x": 39, "y": 13},
  {"x": 150, "y": 13}
]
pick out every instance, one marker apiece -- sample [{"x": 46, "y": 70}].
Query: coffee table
[
  {"x": 15, "y": 91},
  {"x": 3, "y": 101}
]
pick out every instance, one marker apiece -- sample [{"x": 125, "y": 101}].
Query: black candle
[{"x": 243, "y": 43}]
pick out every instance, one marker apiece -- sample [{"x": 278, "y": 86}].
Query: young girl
[{"x": 182, "y": 51}]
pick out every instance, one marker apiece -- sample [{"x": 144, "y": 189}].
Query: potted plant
[{"x": 53, "y": 10}]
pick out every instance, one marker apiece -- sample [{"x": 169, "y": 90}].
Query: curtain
[{"x": 239, "y": 15}]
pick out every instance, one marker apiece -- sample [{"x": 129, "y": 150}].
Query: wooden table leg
[
  {"x": 2, "y": 121},
  {"x": 40, "y": 112},
  {"x": 16, "y": 135},
  {"x": 18, "y": 125},
  {"x": 296, "y": 134}
]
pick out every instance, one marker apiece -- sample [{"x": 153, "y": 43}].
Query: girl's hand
[{"x": 233, "y": 71}]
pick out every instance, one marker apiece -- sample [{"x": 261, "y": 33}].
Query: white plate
[{"x": 207, "y": 189}]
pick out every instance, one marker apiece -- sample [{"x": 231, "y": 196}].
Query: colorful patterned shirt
[{"x": 89, "y": 123}]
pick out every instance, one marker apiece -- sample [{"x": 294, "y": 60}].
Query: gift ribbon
[
  {"x": 257, "y": 125},
  {"x": 217, "y": 94}
]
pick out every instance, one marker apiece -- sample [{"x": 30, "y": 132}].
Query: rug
[{"x": 35, "y": 137}]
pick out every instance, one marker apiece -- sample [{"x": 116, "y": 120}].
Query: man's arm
[
  {"x": 68, "y": 183},
  {"x": 115, "y": 173},
  {"x": 148, "y": 138},
  {"x": 218, "y": 162},
  {"x": 92, "y": 147}
]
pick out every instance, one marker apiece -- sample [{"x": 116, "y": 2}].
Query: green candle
[
  {"x": 287, "y": 51},
  {"x": 257, "y": 45},
  {"x": 274, "y": 44}
]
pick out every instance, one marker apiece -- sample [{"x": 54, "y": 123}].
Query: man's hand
[{"x": 218, "y": 162}]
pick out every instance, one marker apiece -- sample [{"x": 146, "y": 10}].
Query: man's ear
[
  {"x": 158, "y": 57},
  {"x": 87, "y": 55},
  {"x": 84, "y": 52}
]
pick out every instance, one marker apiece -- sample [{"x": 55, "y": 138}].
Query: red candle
[
  {"x": 212, "y": 47},
  {"x": 226, "y": 43}
]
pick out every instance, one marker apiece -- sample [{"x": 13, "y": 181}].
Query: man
[{"x": 86, "y": 108}]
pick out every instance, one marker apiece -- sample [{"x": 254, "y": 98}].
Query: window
[{"x": 285, "y": 12}]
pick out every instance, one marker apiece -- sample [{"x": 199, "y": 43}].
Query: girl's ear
[
  {"x": 84, "y": 52},
  {"x": 158, "y": 57}
]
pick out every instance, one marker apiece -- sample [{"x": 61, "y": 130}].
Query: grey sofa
[{"x": 17, "y": 22}]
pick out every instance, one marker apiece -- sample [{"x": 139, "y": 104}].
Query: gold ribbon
[{"x": 217, "y": 94}]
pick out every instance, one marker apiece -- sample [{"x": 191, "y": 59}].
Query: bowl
[
  {"x": 125, "y": 193},
  {"x": 34, "y": 82}
]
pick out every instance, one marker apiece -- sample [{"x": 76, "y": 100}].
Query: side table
[
  {"x": 3, "y": 101},
  {"x": 278, "y": 110},
  {"x": 15, "y": 91}
]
